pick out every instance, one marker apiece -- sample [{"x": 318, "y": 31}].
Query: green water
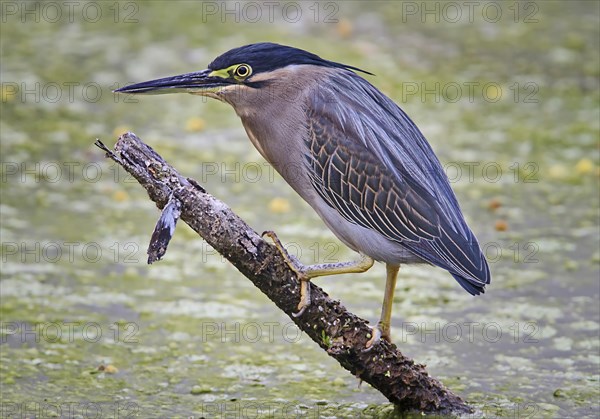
[{"x": 507, "y": 94}]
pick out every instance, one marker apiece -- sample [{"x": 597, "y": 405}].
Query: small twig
[
  {"x": 340, "y": 333},
  {"x": 108, "y": 151}
]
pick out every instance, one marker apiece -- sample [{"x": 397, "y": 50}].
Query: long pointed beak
[{"x": 197, "y": 83}]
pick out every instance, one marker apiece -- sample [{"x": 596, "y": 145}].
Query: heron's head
[{"x": 249, "y": 68}]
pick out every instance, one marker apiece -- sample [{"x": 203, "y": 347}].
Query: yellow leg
[
  {"x": 306, "y": 272},
  {"x": 382, "y": 330}
]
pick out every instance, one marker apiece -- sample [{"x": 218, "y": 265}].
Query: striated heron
[{"x": 352, "y": 154}]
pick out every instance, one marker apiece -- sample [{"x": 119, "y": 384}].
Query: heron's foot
[
  {"x": 378, "y": 333},
  {"x": 297, "y": 268}
]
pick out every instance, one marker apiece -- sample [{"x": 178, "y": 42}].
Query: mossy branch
[{"x": 405, "y": 383}]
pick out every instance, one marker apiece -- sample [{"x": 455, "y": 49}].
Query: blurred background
[{"x": 507, "y": 93}]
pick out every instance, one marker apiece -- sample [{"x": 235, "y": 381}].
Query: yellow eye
[{"x": 242, "y": 71}]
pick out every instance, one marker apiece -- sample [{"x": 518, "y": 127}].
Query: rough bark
[{"x": 338, "y": 332}]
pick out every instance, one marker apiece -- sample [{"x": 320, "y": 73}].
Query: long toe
[{"x": 304, "y": 298}]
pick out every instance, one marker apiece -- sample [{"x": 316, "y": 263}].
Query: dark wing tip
[
  {"x": 470, "y": 286},
  {"x": 476, "y": 286}
]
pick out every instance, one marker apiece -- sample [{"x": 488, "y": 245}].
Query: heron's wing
[{"x": 376, "y": 169}]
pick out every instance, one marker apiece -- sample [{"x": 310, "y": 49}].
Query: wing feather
[{"x": 370, "y": 162}]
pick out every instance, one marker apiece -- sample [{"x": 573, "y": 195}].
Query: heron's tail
[
  {"x": 473, "y": 288},
  {"x": 476, "y": 279}
]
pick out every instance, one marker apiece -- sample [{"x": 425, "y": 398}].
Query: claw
[
  {"x": 299, "y": 312},
  {"x": 375, "y": 338},
  {"x": 268, "y": 233}
]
